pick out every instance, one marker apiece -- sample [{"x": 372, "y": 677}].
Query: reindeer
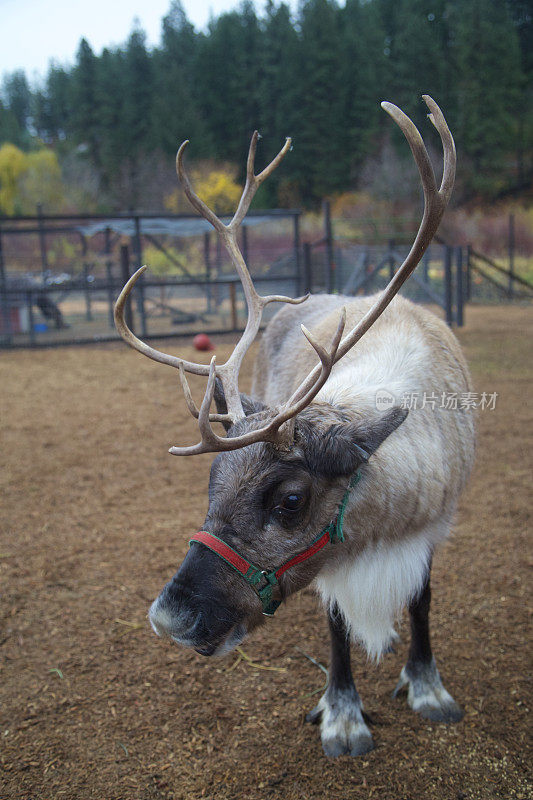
[{"x": 322, "y": 487}]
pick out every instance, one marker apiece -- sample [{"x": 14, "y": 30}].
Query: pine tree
[
  {"x": 10, "y": 130},
  {"x": 278, "y": 98},
  {"x": 360, "y": 84},
  {"x": 58, "y": 94},
  {"x": 84, "y": 103},
  {"x": 138, "y": 96},
  {"x": 137, "y": 131},
  {"x": 417, "y": 53},
  {"x": 489, "y": 78},
  {"x": 228, "y": 79},
  {"x": 17, "y": 96},
  {"x": 40, "y": 115},
  {"x": 318, "y": 163},
  {"x": 521, "y": 14},
  {"x": 110, "y": 93},
  {"x": 176, "y": 112}
]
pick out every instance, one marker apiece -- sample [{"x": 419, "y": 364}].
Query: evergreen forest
[{"x": 104, "y": 130}]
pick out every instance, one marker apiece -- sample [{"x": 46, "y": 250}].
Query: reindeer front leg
[
  {"x": 420, "y": 676},
  {"x": 340, "y": 712}
]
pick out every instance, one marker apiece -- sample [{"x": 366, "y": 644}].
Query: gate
[{"x": 352, "y": 269}]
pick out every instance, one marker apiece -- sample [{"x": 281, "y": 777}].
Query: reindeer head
[{"x": 282, "y": 474}]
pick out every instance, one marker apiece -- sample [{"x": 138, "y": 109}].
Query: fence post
[
  {"x": 207, "y": 261},
  {"x": 6, "y": 306},
  {"x": 425, "y": 264},
  {"x": 245, "y": 253},
  {"x": 138, "y": 243},
  {"x": 220, "y": 293},
  {"x": 42, "y": 242},
  {"x": 459, "y": 290},
  {"x": 328, "y": 237},
  {"x": 468, "y": 288},
  {"x": 110, "y": 297},
  {"x": 233, "y": 302},
  {"x": 87, "y": 292},
  {"x": 109, "y": 274},
  {"x": 126, "y": 275},
  {"x": 392, "y": 245},
  {"x": 141, "y": 308},
  {"x": 31, "y": 320},
  {"x": 448, "y": 303},
  {"x": 307, "y": 268},
  {"x": 511, "y": 255},
  {"x": 139, "y": 258},
  {"x": 2, "y": 266},
  {"x": 297, "y": 260}
]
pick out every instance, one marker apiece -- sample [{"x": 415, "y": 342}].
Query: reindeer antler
[
  {"x": 228, "y": 372},
  {"x": 435, "y": 202}
]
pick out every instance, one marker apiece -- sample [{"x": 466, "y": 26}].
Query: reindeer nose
[
  {"x": 160, "y": 619},
  {"x": 170, "y": 615}
]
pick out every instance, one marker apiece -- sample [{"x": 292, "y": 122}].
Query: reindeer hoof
[
  {"x": 342, "y": 726},
  {"x": 426, "y": 695}
]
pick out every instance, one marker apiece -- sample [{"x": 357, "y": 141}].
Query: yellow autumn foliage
[
  {"x": 13, "y": 163},
  {"x": 41, "y": 182},
  {"x": 216, "y": 187},
  {"x": 29, "y": 178},
  {"x": 219, "y": 191}
]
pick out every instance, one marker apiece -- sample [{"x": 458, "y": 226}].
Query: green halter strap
[
  {"x": 335, "y": 527},
  {"x": 263, "y": 581}
]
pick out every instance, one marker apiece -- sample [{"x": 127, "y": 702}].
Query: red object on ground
[{"x": 202, "y": 342}]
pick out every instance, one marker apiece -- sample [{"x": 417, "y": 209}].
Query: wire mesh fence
[
  {"x": 60, "y": 276},
  {"x": 440, "y": 278}
]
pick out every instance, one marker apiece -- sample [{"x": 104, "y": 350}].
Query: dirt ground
[{"x": 95, "y": 517}]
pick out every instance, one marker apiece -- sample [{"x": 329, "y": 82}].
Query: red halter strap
[{"x": 256, "y": 576}]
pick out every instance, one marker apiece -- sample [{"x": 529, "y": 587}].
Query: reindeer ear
[
  {"x": 342, "y": 447},
  {"x": 371, "y": 436},
  {"x": 249, "y": 405}
]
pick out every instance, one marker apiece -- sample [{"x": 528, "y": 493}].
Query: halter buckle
[{"x": 264, "y": 592}]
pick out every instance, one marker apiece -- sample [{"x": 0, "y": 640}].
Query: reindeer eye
[
  {"x": 288, "y": 503},
  {"x": 292, "y": 502}
]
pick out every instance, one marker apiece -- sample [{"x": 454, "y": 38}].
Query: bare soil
[{"x": 94, "y": 520}]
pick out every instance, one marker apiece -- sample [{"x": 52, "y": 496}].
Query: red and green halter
[{"x": 263, "y": 581}]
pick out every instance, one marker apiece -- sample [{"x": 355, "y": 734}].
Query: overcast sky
[{"x": 32, "y": 32}]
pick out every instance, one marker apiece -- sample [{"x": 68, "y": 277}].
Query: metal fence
[
  {"x": 449, "y": 276},
  {"x": 60, "y": 276},
  {"x": 440, "y": 279}
]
